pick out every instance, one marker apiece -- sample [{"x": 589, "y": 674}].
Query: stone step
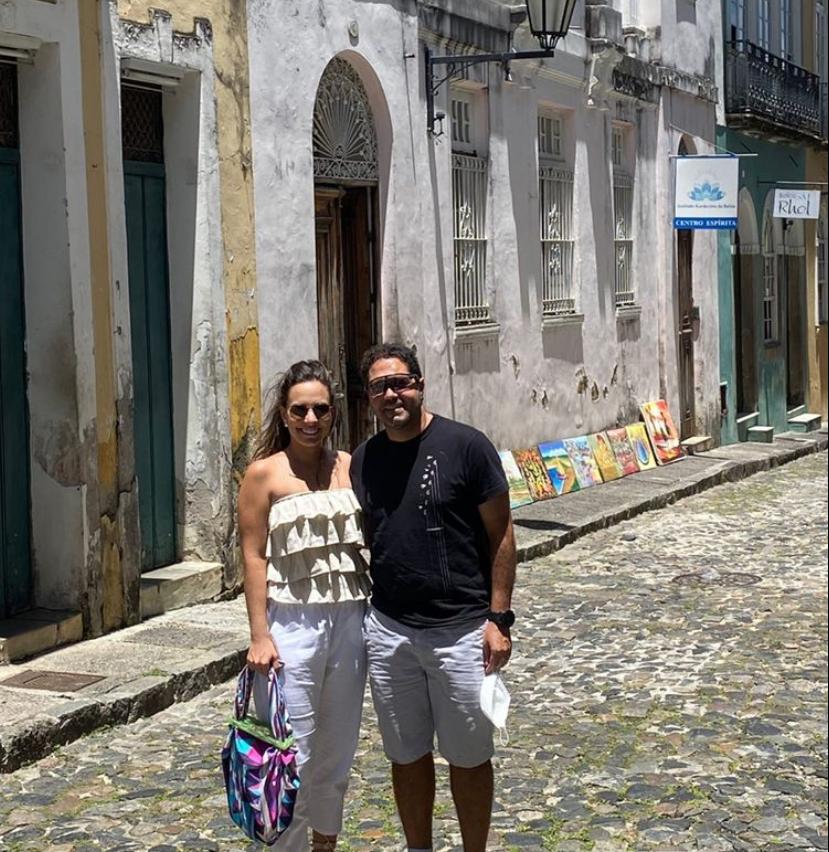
[
  {"x": 804, "y": 423},
  {"x": 761, "y": 434},
  {"x": 794, "y": 412},
  {"x": 744, "y": 422},
  {"x": 696, "y": 444},
  {"x": 38, "y": 630},
  {"x": 176, "y": 586}
]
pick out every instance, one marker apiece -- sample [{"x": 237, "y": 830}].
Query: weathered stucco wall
[{"x": 526, "y": 382}]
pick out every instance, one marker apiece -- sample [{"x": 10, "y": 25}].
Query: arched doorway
[
  {"x": 346, "y": 176},
  {"x": 686, "y": 321}
]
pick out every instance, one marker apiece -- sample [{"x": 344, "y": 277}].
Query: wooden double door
[{"x": 347, "y": 300}]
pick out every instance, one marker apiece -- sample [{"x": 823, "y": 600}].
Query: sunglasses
[
  {"x": 321, "y": 410},
  {"x": 398, "y": 382}
]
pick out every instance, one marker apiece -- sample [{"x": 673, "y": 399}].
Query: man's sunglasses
[
  {"x": 398, "y": 382},
  {"x": 321, "y": 410}
]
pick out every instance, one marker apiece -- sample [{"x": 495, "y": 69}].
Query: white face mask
[{"x": 495, "y": 702}]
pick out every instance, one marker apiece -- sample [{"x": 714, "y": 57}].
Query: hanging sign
[
  {"x": 796, "y": 204},
  {"x": 705, "y": 192}
]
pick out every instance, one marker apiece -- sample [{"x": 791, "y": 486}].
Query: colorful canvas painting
[
  {"x": 535, "y": 474},
  {"x": 662, "y": 431},
  {"x": 603, "y": 453},
  {"x": 519, "y": 492},
  {"x": 584, "y": 463},
  {"x": 622, "y": 450},
  {"x": 559, "y": 468},
  {"x": 638, "y": 437}
]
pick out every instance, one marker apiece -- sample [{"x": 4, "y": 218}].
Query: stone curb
[
  {"x": 35, "y": 739},
  {"x": 729, "y": 471},
  {"x": 38, "y": 736}
]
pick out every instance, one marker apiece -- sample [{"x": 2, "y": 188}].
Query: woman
[{"x": 306, "y": 586}]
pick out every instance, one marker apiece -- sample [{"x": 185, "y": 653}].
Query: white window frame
[
  {"x": 771, "y": 290},
  {"x": 550, "y": 135},
  {"x": 470, "y": 187},
  {"x": 785, "y": 27},
  {"x": 623, "y": 236},
  {"x": 764, "y": 24},
  {"x": 737, "y": 19},
  {"x": 461, "y": 112}
]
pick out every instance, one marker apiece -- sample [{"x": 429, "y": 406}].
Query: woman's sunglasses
[
  {"x": 397, "y": 382},
  {"x": 321, "y": 410}
]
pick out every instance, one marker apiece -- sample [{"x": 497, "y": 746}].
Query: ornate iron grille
[
  {"x": 8, "y": 106},
  {"x": 623, "y": 237},
  {"x": 344, "y": 138},
  {"x": 556, "y": 208},
  {"x": 142, "y": 127},
  {"x": 469, "y": 183},
  {"x": 764, "y": 87}
]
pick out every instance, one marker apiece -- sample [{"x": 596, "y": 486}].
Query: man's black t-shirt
[{"x": 430, "y": 556}]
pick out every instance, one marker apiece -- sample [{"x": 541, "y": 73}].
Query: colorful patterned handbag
[{"x": 259, "y": 763}]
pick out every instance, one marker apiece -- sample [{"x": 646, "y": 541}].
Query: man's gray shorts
[{"x": 427, "y": 681}]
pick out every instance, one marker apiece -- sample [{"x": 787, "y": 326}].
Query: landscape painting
[
  {"x": 603, "y": 453},
  {"x": 662, "y": 431},
  {"x": 559, "y": 468},
  {"x": 519, "y": 492},
  {"x": 641, "y": 445},
  {"x": 535, "y": 474},
  {"x": 584, "y": 463},
  {"x": 622, "y": 450}
]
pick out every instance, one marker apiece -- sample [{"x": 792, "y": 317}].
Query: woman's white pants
[{"x": 322, "y": 648}]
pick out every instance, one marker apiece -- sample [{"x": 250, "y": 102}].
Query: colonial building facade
[
  {"x": 194, "y": 197},
  {"x": 772, "y": 280}
]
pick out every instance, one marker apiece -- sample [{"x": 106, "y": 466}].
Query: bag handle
[{"x": 278, "y": 720}]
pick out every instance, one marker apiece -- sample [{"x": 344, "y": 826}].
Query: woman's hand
[{"x": 263, "y": 655}]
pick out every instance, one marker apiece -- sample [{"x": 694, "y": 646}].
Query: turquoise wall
[{"x": 775, "y": 162}]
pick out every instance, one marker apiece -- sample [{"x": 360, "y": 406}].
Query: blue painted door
[{"x": 15, "y": 537}]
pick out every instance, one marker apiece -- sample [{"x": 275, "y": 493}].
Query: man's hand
[
  {"x": 497, "y": 648},
  {"x": 263, "y": 655}
]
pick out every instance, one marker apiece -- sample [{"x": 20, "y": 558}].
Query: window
[
  {"x": 461, "y": 122},
  {"x": 550, "y": 136},
  {"x": 771, "y": 306},
  {"x": 469, "y": 183},
  {"x": 556, "y": 208},
  {"x": 822, "y": 290},
  {"x": 736, "y": 13},
  {"x": 622, "y": 218},
  {"x": 785, "y": 20},
  {"x": 618, "y": 147},
  {"x": 763, "y": 24}
]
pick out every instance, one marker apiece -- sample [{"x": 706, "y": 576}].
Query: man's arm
[{"x": 497, "y": 520}]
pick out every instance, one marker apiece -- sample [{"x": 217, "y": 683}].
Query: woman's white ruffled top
[{"x": 313, "y": 549}]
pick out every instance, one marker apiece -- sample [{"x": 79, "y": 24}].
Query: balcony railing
[{"x": 771, "y": 92}]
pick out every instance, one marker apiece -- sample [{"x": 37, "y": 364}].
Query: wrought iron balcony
[{"x": 770, "y": 95}]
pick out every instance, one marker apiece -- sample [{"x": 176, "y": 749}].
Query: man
[{"x": 438, "y": 524}]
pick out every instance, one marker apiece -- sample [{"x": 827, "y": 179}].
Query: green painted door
[
  {"x": 150, "y": 323},
  {"x": 15, "y": 546}
]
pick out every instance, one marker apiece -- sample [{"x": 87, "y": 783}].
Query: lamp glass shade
[{"x": 549, "y": 20}]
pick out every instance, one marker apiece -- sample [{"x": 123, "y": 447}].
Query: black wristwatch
[{"x": 504, "y": 619}]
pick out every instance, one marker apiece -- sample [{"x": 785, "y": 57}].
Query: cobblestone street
[{"x": 668, "y": 692}]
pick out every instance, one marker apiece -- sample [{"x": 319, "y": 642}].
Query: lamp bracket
[{"x": 456, "y": 68}]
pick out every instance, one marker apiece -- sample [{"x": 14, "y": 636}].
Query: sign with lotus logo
[{"x": 706, "y": 191}]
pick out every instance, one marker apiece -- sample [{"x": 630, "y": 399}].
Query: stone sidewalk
[{"x": 173, "y": 657}]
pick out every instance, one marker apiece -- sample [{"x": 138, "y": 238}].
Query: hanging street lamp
[{"x": 548, "y": 21}]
